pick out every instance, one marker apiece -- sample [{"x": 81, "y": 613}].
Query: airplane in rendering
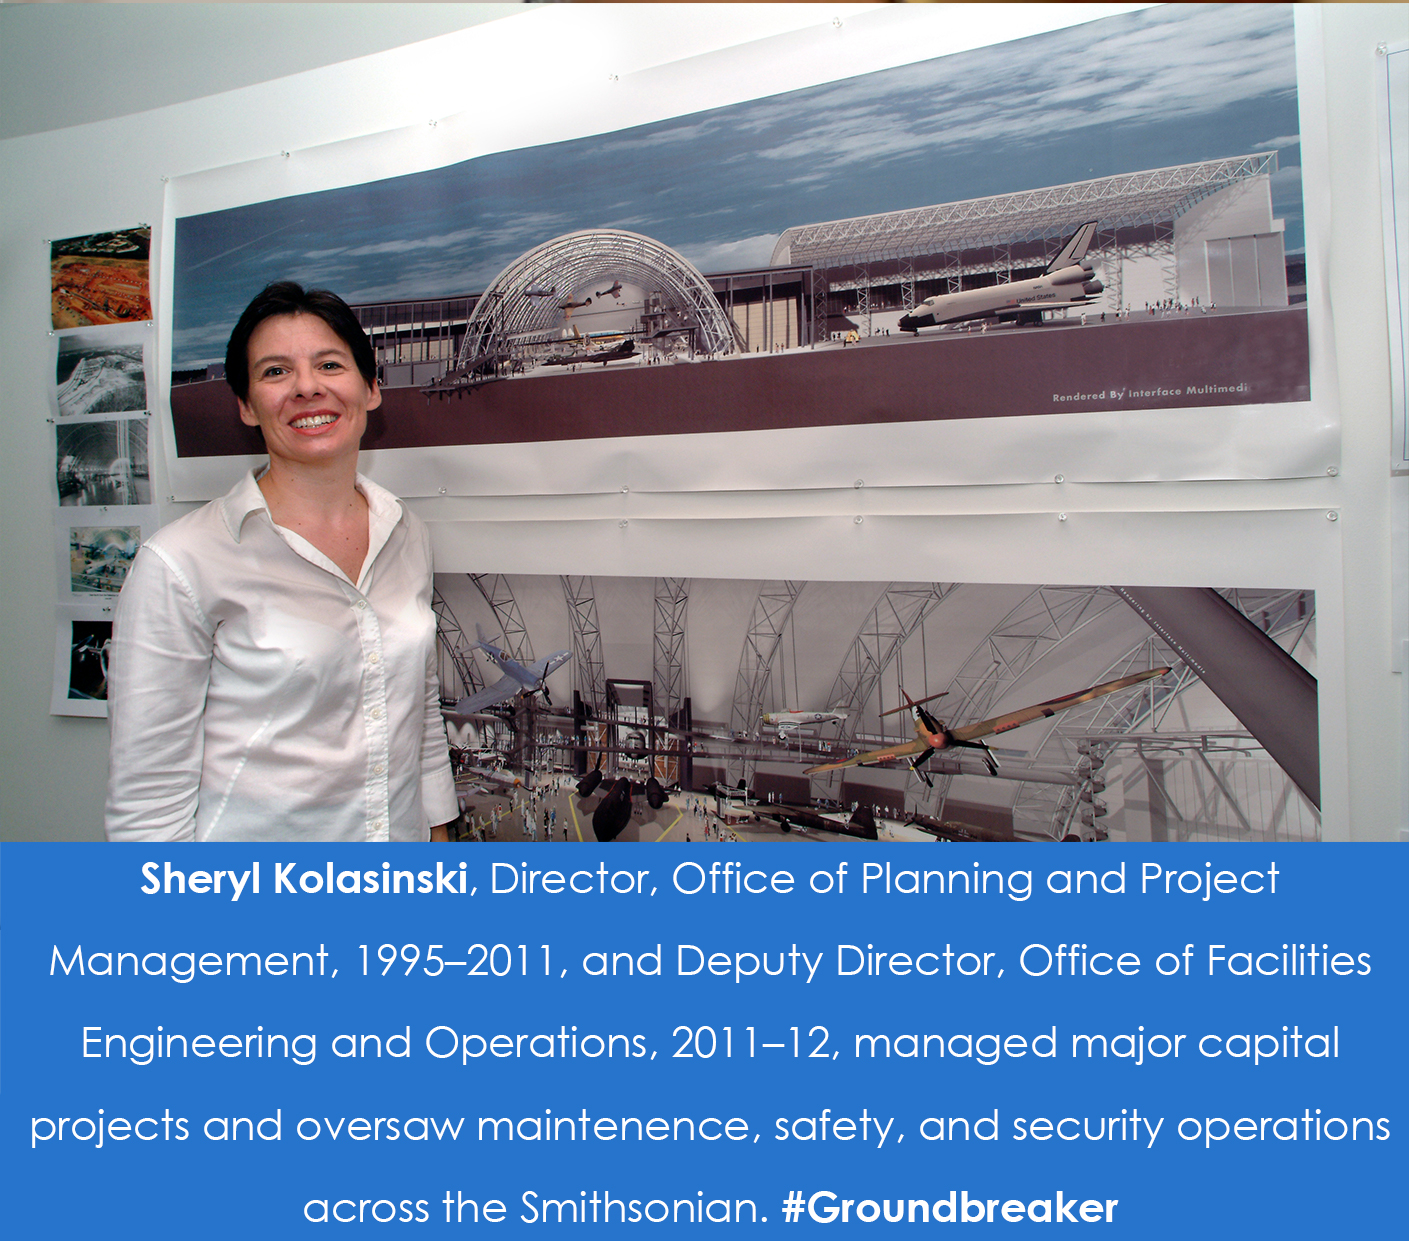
[
  {"x": 931, "y": 735},
  {"x": 540, "y": 291},
  {"x": 614, "y": 291},
  {"x": 1067, "y": 281},
  {"x": 788, "y": 722},
  {"x": 517, "y": 679},
  {"x": 625, "y": 349},
  {"x": 613, "y": 812},
  {"x": 568, "y": 306}
]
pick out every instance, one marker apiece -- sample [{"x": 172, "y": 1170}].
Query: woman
[{"x": 273, "y": 670}]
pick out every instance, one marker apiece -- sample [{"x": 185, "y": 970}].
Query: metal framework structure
[
  {"x": 1124, "y": 201},
  {"x": 507, "y": 319},
  {"x": 1047, "y": 617},
  {"x": 513, "y": 634},
  {"x": 1212, "y": 785},
  {"x": 586, "y": 642},
  {"x": 772, "y": 611},
  {"x": 456, "y": 659},
  {"x": 668, "y": 651}
]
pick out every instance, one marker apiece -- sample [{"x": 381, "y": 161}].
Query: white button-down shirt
[{"x": 256, "y": 693}]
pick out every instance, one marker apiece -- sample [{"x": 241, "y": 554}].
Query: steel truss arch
[
  {"x": 672, "y": 598},
  {"x": 772, "y": 613},
  {"x": 456, "y": 655},
  {"x": 513, "y": 634},
  {"x": 901, "y": 609},
  {"x": 506, "y": 319},
  {"x": 1044, "y": 619},
  {"x": 590, "y": 678},
  {"x": 1207, "y": 781}
]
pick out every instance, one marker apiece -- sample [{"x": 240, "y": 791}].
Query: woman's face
[{"x": 306, "y": 393}]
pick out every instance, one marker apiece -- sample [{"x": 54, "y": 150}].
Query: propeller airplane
[{"x": 932, "y": 735}]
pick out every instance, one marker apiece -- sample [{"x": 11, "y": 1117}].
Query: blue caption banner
[{"x": 239, "y": 1041}]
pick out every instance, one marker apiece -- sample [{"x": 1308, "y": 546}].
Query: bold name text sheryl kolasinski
[{"x": 719, "y": 878}]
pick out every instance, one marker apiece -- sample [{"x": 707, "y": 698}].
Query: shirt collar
[{"x": 246, "y": 498}]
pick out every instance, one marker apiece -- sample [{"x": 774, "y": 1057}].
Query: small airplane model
[
  {"x": 569, "y": 306},
  {"x": 517, "y": 679},
  {"x": 540, "y": 291},
  {"x": 614, "y": 291},
  {"x": 1068, "y": 281},
  {"x": 931, "y": 735},
  {"x": 786, "y": 722}
]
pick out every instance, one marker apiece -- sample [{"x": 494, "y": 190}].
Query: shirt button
[
  {"x": 376, "y": 825},
  {"x": 374, "y": 658},
  {"x": 362, "y": 605},
  {"x": 378, "y": 769},
  {"x": 376, "y": 713}
]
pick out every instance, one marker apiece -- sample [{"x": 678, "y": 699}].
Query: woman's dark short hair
[{"x": 284, "y": 297}]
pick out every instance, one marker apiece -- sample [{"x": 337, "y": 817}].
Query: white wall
[{"x": 108, "y": 174}]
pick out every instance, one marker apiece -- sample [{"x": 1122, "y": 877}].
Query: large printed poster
[{"x": 1080, "y": 252}]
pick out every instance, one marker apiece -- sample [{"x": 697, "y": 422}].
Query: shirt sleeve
[
  {"x": 158, "y": 675},
  {"x": 437, "y": 781}
]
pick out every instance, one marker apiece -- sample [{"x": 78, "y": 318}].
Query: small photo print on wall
[
  {"x": 101, "y": 278},
  {"x": 95, "y": 548},
  {"x": 82, "y": 641},
  {"x": 103, "y": 463},
  {"x": 101, "y": 372}
]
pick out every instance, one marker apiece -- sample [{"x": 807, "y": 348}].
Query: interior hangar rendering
[
  {"x": 1195, "y": 234},
  {"x": 674, "y": 677}
]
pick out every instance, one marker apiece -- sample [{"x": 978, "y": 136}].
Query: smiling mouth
[{"x": 312, "y": 421}]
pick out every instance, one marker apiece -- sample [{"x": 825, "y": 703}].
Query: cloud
[
  {"x": 732, "y": 255},
  {"x": 1280, "y": 143},
  {"x": 1125, "y": 73},
  {"x": 409, "y": 245}
]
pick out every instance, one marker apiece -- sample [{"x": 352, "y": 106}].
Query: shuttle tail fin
[{"x": 1075, "y": 249}]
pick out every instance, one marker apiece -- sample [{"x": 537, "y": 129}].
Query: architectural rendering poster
[
  {"x": 101, "y": 278},
  {"x": 1083, "y": 252},
  {"x": 101, "y": 371},
  {"x": 1091, "y": 713}
]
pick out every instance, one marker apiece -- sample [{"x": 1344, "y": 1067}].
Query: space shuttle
[{"x": 1067, "y": 281}]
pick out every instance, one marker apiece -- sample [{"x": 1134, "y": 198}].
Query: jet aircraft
[
  {"x": 932, "y": 735},
  {"x": 517, "y": 679},
  {"x": 613, "y": 812},
  {"x": 1067, "y": 281},
  {"x": 626, "y": 349}
]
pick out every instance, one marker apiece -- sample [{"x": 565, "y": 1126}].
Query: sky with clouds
[{"x": 1164, "y": 86}]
